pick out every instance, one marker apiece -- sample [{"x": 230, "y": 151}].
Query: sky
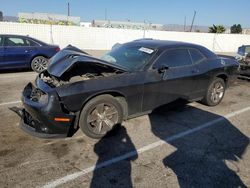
[{"x": 225, "y": 12}]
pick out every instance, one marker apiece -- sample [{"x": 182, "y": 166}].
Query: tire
[
  {"x": 39, "y": 64},
  {"x": 215, "y": 92},
  {"x": 100, "y": 115}
]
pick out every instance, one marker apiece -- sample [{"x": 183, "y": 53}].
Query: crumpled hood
[{"x": 67, "y": 57}]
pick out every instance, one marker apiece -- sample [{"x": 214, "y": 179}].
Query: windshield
[
  {"x": 131, "y": 57},
  {"x": 244, "y": 50}
]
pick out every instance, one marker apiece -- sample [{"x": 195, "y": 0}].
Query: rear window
[
  {"x": 196, "y": 56},
  {"x": 32, "y": 43}
]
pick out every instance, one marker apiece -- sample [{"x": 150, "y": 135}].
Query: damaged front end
[{"x": 44, "y": 114}]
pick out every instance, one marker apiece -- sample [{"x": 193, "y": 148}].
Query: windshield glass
[
  {"x": 131, "y": 57},
  {"x": 247, "y": 50}
]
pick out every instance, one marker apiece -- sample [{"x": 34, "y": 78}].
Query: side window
[
  {"x": 196, "y": 56},
  {"x": 14, "y": 41},
  {"x": 31, "y": 43},
  {"x": 174, "y": 58},
  {"x": 1, "y": 41}
]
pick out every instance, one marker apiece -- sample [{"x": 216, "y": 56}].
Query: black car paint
[{"x": 142, "y": 90}]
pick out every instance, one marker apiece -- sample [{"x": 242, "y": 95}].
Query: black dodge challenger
[{"x": 80, "y": 91}]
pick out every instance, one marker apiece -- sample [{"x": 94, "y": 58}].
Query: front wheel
[
  {"x": 215, "y": 92},
  {"x": 100, "y": 115},
  {"x": 39, "y": 63}
]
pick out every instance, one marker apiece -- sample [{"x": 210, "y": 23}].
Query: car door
[
  {"x": 172, "y": 77},
  {"x": 202, "y": 76},
  {"x": 1, "y": 51},
  {"x": 17, "y": 52}
]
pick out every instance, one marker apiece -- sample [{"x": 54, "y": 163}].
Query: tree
[
  {"x": 217, "y": 29},
  {"x": 236, "y": 28}
]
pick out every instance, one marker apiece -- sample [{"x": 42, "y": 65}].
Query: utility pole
[
  {"x": 185, "y": 18},
  {"x": 105, "y": 13},
  {"x": 68, "y": 14},
  {"x": 193, "y": 21},
  {"x": 68, "y": 9}
]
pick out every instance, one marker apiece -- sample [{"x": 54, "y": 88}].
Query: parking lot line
[
  {"x": 7, "y": 103},
  {"x": 143, "y": 149}
]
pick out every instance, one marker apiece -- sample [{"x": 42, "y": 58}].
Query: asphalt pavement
[{"x": 182, "y": 145}]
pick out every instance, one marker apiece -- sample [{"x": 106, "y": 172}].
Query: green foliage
[
  {"x": 236, "y": 28},
  {"x": 50, "y": 22},
  {"x": 217, "y": 29}
]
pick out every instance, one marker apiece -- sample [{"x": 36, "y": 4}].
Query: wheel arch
[
  {"x": 116, "y": 94},
  {"x": 224, "y": 77}
]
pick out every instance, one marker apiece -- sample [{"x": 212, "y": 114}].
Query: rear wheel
[
  {"x": 39, "y": 63},
  {"x": 215, "y": 92},
  {"x": 100, "y": 115}
]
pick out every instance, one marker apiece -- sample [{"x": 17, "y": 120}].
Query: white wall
[{"x": 105, "y": 38}]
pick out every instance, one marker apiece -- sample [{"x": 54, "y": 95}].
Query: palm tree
[{"x": 217, "y": 29}]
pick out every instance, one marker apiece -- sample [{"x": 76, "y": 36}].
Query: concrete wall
[{"x": 105, "y": 38}]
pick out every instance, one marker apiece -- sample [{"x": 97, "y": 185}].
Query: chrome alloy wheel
[
  {"x": 217, "y": 92},
  {"x": 40, "y": 64},
  {"x": 102, "y": 118}
]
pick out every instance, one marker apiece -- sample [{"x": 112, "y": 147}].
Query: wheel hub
[
  {"x": 102, "y": 118},
  {"x": 217, "y": 92}
]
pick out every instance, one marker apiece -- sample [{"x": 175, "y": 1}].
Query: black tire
[
  {"x": 100, "y": 115},
  {"x": 215, "y": 92},
  {"x": 39, "y": 63}
]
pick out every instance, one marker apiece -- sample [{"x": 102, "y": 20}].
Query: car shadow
[
  {"x": 206, "y": 158},
  {"x": 116, "y": 143},
  {"x": 15, "y": 70}
]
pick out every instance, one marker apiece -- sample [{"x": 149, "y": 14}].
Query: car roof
[
  {"x": 13, "y": 35},
  {"x": 163, "y": 45},
  {"x": 160, "y": 44}
]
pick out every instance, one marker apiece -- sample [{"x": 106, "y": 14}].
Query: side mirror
[{"x": 163, "y": 68}]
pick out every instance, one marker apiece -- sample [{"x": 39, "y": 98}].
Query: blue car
[{"x": 25, "y": 52}]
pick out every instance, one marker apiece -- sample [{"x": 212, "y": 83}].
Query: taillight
[{"x": 57, "y": 49}]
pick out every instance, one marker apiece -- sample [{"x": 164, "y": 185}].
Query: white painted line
[
  {"x": 7, "y": 103},
  {"x": 75, "y": 175}
]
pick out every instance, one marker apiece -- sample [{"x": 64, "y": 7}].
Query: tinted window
[
  {"x": 241, "y": 50},
  {"x": 196, "y": 56},
  {"x": 14, "y": 41},
  {"x": 174, "y": 58},
  {"x": 31, "y": 43}
]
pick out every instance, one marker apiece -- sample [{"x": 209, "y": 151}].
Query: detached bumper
[{"x": 38, "y": 117}]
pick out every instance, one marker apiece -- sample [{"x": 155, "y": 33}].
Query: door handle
[{"x": 195, "y": 71}]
